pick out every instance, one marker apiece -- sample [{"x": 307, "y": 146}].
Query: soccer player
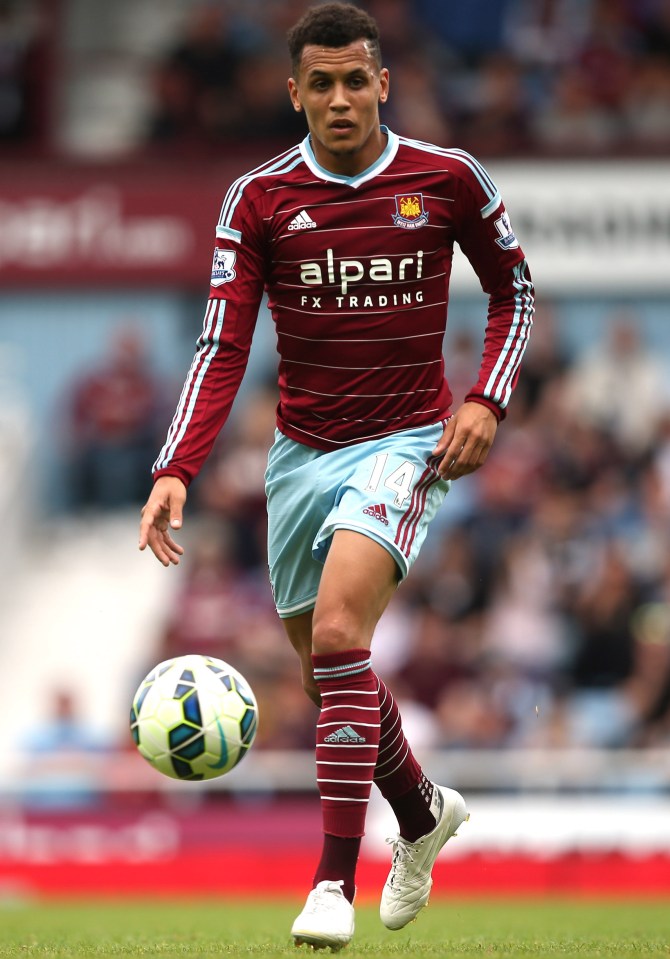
[{"x": 351, "y": 233}]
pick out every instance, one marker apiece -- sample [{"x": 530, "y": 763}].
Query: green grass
[{"x": 454, "y": 931}]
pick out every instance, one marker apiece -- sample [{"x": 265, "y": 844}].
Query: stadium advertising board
[
  {"x": 268, "y": 849},
  {"x": 96, "y": 229},
  {"x": 586, "y": 227}
]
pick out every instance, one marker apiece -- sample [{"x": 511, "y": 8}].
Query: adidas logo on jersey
[
  {"x": 302, "y": 221},
  {"x": 379, "y": 512},
  {"x": 344, "y": 735}
]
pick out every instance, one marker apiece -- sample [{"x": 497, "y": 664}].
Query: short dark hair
[{"x": 333, "y": 25}]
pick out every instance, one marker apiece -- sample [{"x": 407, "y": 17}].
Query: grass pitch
[{"x": 455, "y": 930}]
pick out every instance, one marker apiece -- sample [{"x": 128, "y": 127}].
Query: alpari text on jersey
[{"x": 344, "y": 274}]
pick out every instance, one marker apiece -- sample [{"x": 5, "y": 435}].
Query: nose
[{"x": 340, "y": 98}]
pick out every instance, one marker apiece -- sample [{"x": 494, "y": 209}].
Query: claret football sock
[
  {"x": 338, "y": 861},
  {"x": 398, "y": 775},
  {"x": 414, "y": 810},
  {"x": 347, "y": 740}
]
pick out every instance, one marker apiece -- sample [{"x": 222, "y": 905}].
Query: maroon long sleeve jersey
[{"x": 356, "y": 270}]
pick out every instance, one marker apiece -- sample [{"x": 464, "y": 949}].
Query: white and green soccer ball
[{"x": 194, "y": 717}]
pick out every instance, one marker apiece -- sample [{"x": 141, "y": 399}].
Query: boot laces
[
  {"x": 326, "y": 897},
  {"x": 402, "y": 857}
]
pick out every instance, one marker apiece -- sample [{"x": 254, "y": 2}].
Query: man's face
[{"x": 340, "y": 89}]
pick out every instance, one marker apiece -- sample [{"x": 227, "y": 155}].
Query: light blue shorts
[{"x": 388, "y": 489}]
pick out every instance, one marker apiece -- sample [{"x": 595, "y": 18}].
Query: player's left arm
[{"x": 485, "y": 234}]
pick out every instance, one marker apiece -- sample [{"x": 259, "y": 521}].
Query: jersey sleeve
[
  {"x": 223, "y": 347},
  {"x": 485, "y": 235}
]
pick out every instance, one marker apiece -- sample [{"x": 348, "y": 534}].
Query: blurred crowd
[
  {"x": 538, "y": 614},
  {"x": 504, "y": 77},
  {"x": 496, "y": 77}
]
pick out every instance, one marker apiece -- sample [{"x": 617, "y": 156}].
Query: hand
[
  {"x": 466, "y": 440},
  {"x": 163, "y": 512}
]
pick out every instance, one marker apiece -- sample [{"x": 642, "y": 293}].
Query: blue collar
[{"x": 380, "y": 163}]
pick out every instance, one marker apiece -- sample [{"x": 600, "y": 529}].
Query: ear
[
  {"x": 294, "y": 95},
  {"x": 384, "y": 82}
]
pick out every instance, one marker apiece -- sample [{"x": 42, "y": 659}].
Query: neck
[{"x": 355, "y": 162}]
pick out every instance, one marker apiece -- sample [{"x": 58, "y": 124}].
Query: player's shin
[{"x": 346, "y": 753}]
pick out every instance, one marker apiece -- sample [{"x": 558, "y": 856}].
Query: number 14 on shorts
[{"x": 399, "y": 480}]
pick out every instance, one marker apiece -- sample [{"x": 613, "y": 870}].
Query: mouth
[{"x": 341, "y": 126}]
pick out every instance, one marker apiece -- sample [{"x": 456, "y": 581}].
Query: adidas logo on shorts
[
  {"x": 379, "y": 512},
  {"x": 302, "y": 221}
]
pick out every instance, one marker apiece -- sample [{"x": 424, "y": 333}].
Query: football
[{"x": 194, "y": 717}]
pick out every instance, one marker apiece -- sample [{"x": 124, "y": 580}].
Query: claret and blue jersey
[{"x": 357, "y": 275}]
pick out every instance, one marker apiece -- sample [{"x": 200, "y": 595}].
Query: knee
[{"x": 331, "y": 635}]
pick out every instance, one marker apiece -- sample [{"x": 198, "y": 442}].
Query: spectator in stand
[
  {"x": 652, "y": 630},
  {"x": 573, "y": 121},
  {"x": 521, "y": 626},
  {"x": 439, "y": 659},
  {"x": 288, "y": 718},
  {"x": 264, "y": 111},
  {"x": 545, "y": 33},
  {"x": 112, "y": 422},
  {"x": 653, "y": 20},
  {"x": 20, "y": 53},
  {"x": 471, "y": 30},
  {"x": 609, "y": 679},
  {"x": 621, "y": 387},
  {"x": 221, "y": 83},
  {"x": 496, "y": 119},
  {"x": 646, "y": 105},
  {"x": 417, "y": 107},
  {"x": 195, "y": 83},
  {"x": 62, "y": 755},
  {"x": 221, "y": 606},
  {"x": 545, "y": 362},
  {"x": 232, "y": 486}
]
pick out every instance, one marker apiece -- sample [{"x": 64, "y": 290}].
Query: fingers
[
  {"x": 164, "y": 548},
  {"x": 452, "y": 448},
  {"x": 465, "y": 441},
  {"x": 447, "y": 437},
  {"x": 163, "y": 512},
  {"x": 457, "y": 461},
  {"x": 161, "y": 544},
  {"x": 145, "y": 528},
  {"x": 152, "y": 517},
  {"x": 460, "y": 461}
]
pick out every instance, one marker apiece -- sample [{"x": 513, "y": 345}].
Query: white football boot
[
  {"x": 409, "y": 882},
  {"x": 327, "y": 919}
]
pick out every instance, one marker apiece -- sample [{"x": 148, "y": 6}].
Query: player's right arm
[{"x": 214, "y": 377}]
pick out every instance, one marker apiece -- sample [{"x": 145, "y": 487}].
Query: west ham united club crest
[{"x": 410, "y": 213}]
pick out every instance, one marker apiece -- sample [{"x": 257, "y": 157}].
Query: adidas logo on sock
[
  {"x": 378, "y": 511},
  {"x": 302, "y": 221},
  {"x": 344, "y": 735}
]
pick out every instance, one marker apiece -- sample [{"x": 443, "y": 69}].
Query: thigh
[{"x": 359, "y": 578}]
